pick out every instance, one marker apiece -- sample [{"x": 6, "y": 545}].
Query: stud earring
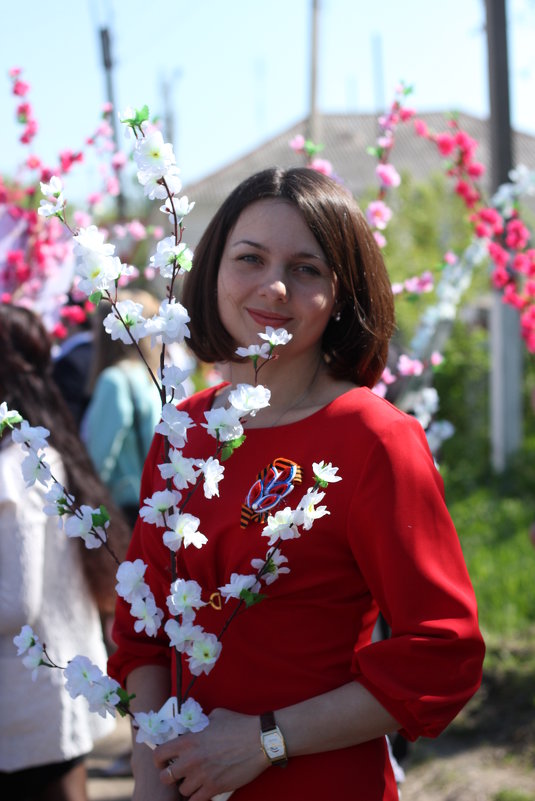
[{"x": 337, "y": 317}]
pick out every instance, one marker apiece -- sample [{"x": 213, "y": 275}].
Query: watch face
[{"x": 274, "y": 745}]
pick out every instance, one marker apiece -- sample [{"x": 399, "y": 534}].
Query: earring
[{"x": 337, "y": 317}]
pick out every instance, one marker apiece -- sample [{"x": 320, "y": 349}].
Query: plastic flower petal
[
  {"x": 276, "y": 336},
  {"x": 8, "y": 417},
  {"x": 213, "y": 473},
  {"x": 130, "y": 580},
  {"x": 181, "y": 470},
  {"x": 183, "y": 528},
  {"x": 272, "y": 566},
  {"x": 33, "y": 658},
  {"x": 174, "y": 425},
  {"x": 223, "y": 424},
  {"x": 185, "y": 597},
  {"x": 159, "y": 504},
  {"x": 281, "y": 525},
  {"x": 171, "y": 258},
  {"x": 131, "y": 321},
  {"x": 33, "y": 437},
  {"x": 238, "y": 583},
  {"x": 170, "y": 324},
  {"x": 191, "y": 716},
  {"x": 25, "y": 639},
  {"x": 255, "y": 351},
  {"x": 81, "y": 525},
  {"x": 325, "y": 473},
  {"x": 247, "y": 399},
  {"x": 182, "y": 635},
  {"x": 203, "y": 654},
  {"x": 308, "y": 505},
  {"x": 148, "y": 614},
  {"x": 34, "y": 468}
]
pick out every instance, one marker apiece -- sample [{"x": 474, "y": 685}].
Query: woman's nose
[{"x": 274, "y": 285}]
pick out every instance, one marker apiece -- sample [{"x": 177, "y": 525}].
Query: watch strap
[{"x": 268, "y": 727}]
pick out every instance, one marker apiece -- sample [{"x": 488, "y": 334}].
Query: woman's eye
[
  {"x": 251, "y": 258},
  {"x": 307, "y": 269}
]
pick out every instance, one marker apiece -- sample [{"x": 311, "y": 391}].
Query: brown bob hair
[{"x": 356, "y": 345}]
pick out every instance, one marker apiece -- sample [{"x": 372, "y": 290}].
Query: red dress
[{"x": 388, "y": 544}]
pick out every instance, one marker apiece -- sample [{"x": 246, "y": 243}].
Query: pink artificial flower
[
  {"x": 380, "y": 389},
  {"x": 397, "y": 288},
  {"x": 380, "y": 239},
  {"x": 82, "y": 219},
  {"x": 421, "y": 128},
  {"x": 408, "y": 366},
  {"x": 59, "y": 331},
  {"x": 112, "y": 186},
  {"x": 406, "y": 114},
  {"x": 321, "y": 165},
  {"x": 499, "y": 255},
  {"x": 298, "y": 143},
  {"x": 33, "y": 163},
  {"x": 450, "y": 258},
  {"x": 137, "y": 230},
  {"x": 6, "y": 297},
  {"x": 378, "y": 214},
  {"x": 67, "y": 158},
  {"x": 445, "y": 143},
  {"x": 500, "y": 277},
  {"x": 14, "y": 72},
  {"x": 387, "y": 175},
  {"x": 517, "y": 235},
  {"x": 388, "y": 377},
  {"x": 20, "y": 88},
  {"x": 157, "y": 232},
  {"x": 512, "y": 298},
  {"x": 74, "y": 314},
  {"x": 436, "y": 358},
  {"x": 475, "y": 169},
  {"x": 107, "y": 108},
  {"x": 149, "y": 273},
  {"x": 94, "y": 198},
  {"x": 118, "y": 160}
]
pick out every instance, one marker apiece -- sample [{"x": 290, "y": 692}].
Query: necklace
[{"x": 304, "y": 395}]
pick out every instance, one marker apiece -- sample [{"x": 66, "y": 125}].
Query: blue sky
[{"x": 238, "y": 69}]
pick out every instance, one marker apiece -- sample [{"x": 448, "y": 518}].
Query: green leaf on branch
[
  {"x": 251, "y": 598},
  {"x": 95, "y": 298},
  {"x": 12, "y": 419},
  {"x": 100, "y": 518},
  {"x": 374, "y": 151},
  {"x": 311, "y": 149},
  {"x": 125, "y": 699},
  {"x": 230, "y": 447}
]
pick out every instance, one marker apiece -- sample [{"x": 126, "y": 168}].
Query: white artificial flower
[
  {"x": 203, "y": 654},
  {"x": 8, "y": 417},
  {"x": 80, "y": 675},
  {"x": 179, "y": 207},
  {"x": 438, "y": 431},
  {"x": 247, "y": 399},
  {"x": 33, "y": 437},
  {"x": 170, "y": 324},
  {"x": 174, "y": 425},
  {"x": 132, "y": 321},
  {"x": 170, "y": 257},
  {"x": 58, "y": 500},
  {"x": 213, "y": 473},
  {"x": 103, "y": 696},
  {"x": 425, "y": 405},
  {"x": 34, "y": 468},
  {"x": 272, "y": 566},
  {"x": 184, "y": 599},
  {"x": 276, "y": 336},
  {"x": 191, "y": 717},
  {"x": 182, "y": 635},
  {"x": 53, "y": 188},
  {"x": 255, "y": 351},
  {"x": 154, "y": 728},
  {"x": 181, "y": 470},
  {"x": 130, "y": 580},
  {"x": 324, "y": 472},
  {"x": 153, "y": 185},
  {"x": 308, "y": 505},
  {"x": 152, "y": 155},
  {"x": 159, "y": 504},
  {"x": 81, "y": 525},
  {"x": 238, "y": 583},
  {"x": 97, "y": 273},
  {"x": 33, "y": 658},
  {"x": 148, "y": 614},
  {"x": 281, "y": 525},
  {"x": 223, "y": 424},
  {"x": 183, "y": 528},
  {"x": 49, "y": 208},
  {"x": 25, "y": 639},
  {"x": 91, "y": 240},
  {"x": 173, "y": 377}
]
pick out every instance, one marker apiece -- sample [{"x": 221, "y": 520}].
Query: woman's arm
[
  {"x": 228, "y": 753},
  {"x": 152, "y": 687}
]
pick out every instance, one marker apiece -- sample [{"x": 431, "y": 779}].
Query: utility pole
[
  {"x": 313, "y": 126},
  {"x": 506, "y": 346},
  {"x": 108, "y": 67}
]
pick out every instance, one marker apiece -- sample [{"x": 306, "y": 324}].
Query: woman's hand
[{"x": 223, "y": 757}]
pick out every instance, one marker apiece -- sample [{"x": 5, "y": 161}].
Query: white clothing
[{"x": 42, "y": 584}]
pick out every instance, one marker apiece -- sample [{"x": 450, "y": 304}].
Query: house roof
[{"x": 345, "y": 138}]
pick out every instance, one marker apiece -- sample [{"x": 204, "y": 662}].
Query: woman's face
[{"x": 274, "y": 273}]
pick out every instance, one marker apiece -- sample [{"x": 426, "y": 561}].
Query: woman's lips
[{"x": 265, "y": 318}]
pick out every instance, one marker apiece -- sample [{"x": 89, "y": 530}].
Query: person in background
[
  {"x": 124, "y": 408},
  {"x": 47, "y": 580},
  {"x": 301, "y": 697}
]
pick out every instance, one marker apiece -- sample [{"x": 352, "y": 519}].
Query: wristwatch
[{"x": 272, "y": 741}]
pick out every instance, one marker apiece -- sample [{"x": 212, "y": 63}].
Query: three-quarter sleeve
[{"x": 409, "y": 554}]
